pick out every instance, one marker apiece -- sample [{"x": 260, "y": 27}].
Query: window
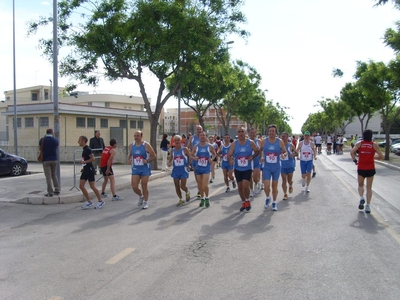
[
  {"x": 80, "y": 122},
  {"x": 132, "y": 124},
  {"x": 91, "y": 122},
  {"x": 44, "y": 121},
  {"x": 46, "y": 95},
  {"x": 140, "y": 125},
  {"x": 104, "y": 123},
  {"x": 8, "y": 98},
  {"x": 34, "y": 96},
  {"x": 18, "y": 122},
  {"x": 122, "y": 123},
  {"x": 107, "y": 104},
  {"x": 28, "y": 122}
]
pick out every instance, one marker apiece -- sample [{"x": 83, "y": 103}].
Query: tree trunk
[{"x": 153, "y": 138}]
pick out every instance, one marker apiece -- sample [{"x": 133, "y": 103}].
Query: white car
[{"x": 395, "y": 148}]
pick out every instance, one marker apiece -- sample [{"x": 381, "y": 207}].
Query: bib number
[
  {"x": 202, "y": 161},
  {"x": 138, "y": 161},
  {"x": 271, "y": 158},
  {"x": 178, "y": 161},
  {"x": 243, "y": 161}
]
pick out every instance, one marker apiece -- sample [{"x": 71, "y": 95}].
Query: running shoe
[
  {"x": 274, "y": 206},
  {"x": 243, "y": 207},
  {"x": 290, "y": 189},
  {"x": 234, "y": 184},
  {"x": 267, "y": 202},
  {"x": 307, "y": 190},
  {"x": 313, "y": 174},
  {"x": 104, "y": 195},
  {"x": 247, "y": 205},
  {"x": 211, "y": 180},
  {"x": 303, "y": 183},
  {"x": 140, "y": 202},
  {"x": 180, "y": 202},
  {"x": 202, "y": 203},
  {"x": 361, "y": 205},
  {"x": 198, "y": 196},
  {"x": 187, "y": 196},
  {"x": 145, "y": 205},
  {"x": 227, "y": 189},
  {"x": 367, "y": 209},
  {"x": 207, "y": 202},
  {"x": 117, "y": 198},
  {"x": 87, "y": 205},
  {"x": 285, "y": 197},
  {"x": 251, "y": 193},
  {"x": 99, "y": 205},
  {"x": 57, "y": 193}
]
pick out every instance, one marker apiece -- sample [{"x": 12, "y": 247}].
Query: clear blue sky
[{"x": 294, "y": 45}]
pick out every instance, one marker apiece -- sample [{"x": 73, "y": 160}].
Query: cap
[{"x": 307, "y": 133}]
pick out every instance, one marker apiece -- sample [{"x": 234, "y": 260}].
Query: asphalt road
[{"x": 316, "y": 246}]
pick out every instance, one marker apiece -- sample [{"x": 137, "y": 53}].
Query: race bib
[
  {"x": 225, "y": 157},
  {"x": 202, "y": 161},
  {"x": 243, "y": 161},
  {"x": 179, "y": 161},
  {"x": 271, "y": 158},
  {"x": 307, "y": 155},
  {"x": 138, "y": 160}
]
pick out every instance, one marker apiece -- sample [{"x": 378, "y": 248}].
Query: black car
[{"x": 12, "y": 164}]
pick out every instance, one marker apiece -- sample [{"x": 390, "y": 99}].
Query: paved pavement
[{"x": 30, "y": 189}]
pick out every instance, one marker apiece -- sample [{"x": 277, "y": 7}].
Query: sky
[{"x": 294, "y": 45}]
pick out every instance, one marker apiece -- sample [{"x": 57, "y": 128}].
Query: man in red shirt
[
  {"x": 106, "y": 161},
  {"x": 366, "y": 166}
]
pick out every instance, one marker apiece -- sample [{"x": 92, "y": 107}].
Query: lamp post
[{"x": 15, "y": 88}]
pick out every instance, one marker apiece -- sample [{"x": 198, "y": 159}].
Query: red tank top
[
  {"x": 105, "y": 156},
  {"x": 366, "y": 154}
]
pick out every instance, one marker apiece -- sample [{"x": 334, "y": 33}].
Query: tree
[
  {"x": 382, "y": 84},
  {"x": 339, "y": 114},
  {"x": 122, "y": 39}
]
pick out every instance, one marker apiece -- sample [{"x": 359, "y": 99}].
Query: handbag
[{"x": 40, "y": 157}]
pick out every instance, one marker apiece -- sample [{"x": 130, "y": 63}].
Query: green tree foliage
[
  {"x": 121, "y": 39},
  {"x": 339, "y": 114}
]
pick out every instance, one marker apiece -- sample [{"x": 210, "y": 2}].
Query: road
[{"x": 316, "y": 246}]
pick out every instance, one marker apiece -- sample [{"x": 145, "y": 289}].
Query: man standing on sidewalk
[
  {"x": 106, "y": 161},
  {"x": 96, "y": 142},
  {"x": 48, "y": 145}
]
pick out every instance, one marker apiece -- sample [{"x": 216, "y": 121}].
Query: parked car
[
  {"x": 395, "y": 148},
  {"x": 12, "y": 164},
  {"x": 383, "y": 144},
  {"x": 355, "y": 142}
]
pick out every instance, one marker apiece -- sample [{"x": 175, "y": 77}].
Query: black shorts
[
  {"x": 329, "y": 144},
  {"x": 215, "y": 159},
  {"x": 104, "y": 169},
  {"x": 317, "y": 145},
  {"x": 366, "y": 173},
  {"x": 243, "y": 175},
  {"x": 88, "y": 174}
]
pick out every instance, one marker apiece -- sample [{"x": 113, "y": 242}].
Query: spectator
[
  {"x": 48, "y": 145},
  {"x": 96, "y": 142},
  {"x": 164, "y": 146}
]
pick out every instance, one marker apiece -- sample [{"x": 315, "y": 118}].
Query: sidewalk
[{"x": 30, "y": 189}]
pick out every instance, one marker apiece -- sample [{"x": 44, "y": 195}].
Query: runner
[
  {"x": 273, "y": 150},
  {"x": 241, "y": 156},
  {"x": 288, "y": 164},
  {"x": 106, "y": 161},
  {"x": 193, "y": 141},
  {"x": 366, "y": 166},
  {"x": 318, "y": 143},
  {"x": 227, "y": 168},
  {"x": 88, "y": 174},
  {"x": 140, "y": 155},
  {"x": 214, "y": 162},
  {"x": 255, "y": 184},
  {"x": 329, "y": 144},
  {"x": 203, "y": 153},
  {"x": 307, "y": 151},
  {"x": 179, "y": 159}
]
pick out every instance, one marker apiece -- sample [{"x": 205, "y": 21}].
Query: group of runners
[{"x": 249, "y": 163}]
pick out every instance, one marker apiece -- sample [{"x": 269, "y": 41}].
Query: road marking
[
  {"x": 119, "y": 256},
  {"x": 170, "y": 222},
  {"x": 392, "y": 232}
]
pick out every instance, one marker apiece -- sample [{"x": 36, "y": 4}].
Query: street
[{"x": 316, "y": 246}]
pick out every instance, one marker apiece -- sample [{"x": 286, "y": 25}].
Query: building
[{"x": 80, "y": 113}]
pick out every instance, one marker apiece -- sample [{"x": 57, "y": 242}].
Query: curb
[{"x": 78, "y": 196}]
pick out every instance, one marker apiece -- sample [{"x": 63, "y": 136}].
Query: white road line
[{"x": 119, "y": 256}]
